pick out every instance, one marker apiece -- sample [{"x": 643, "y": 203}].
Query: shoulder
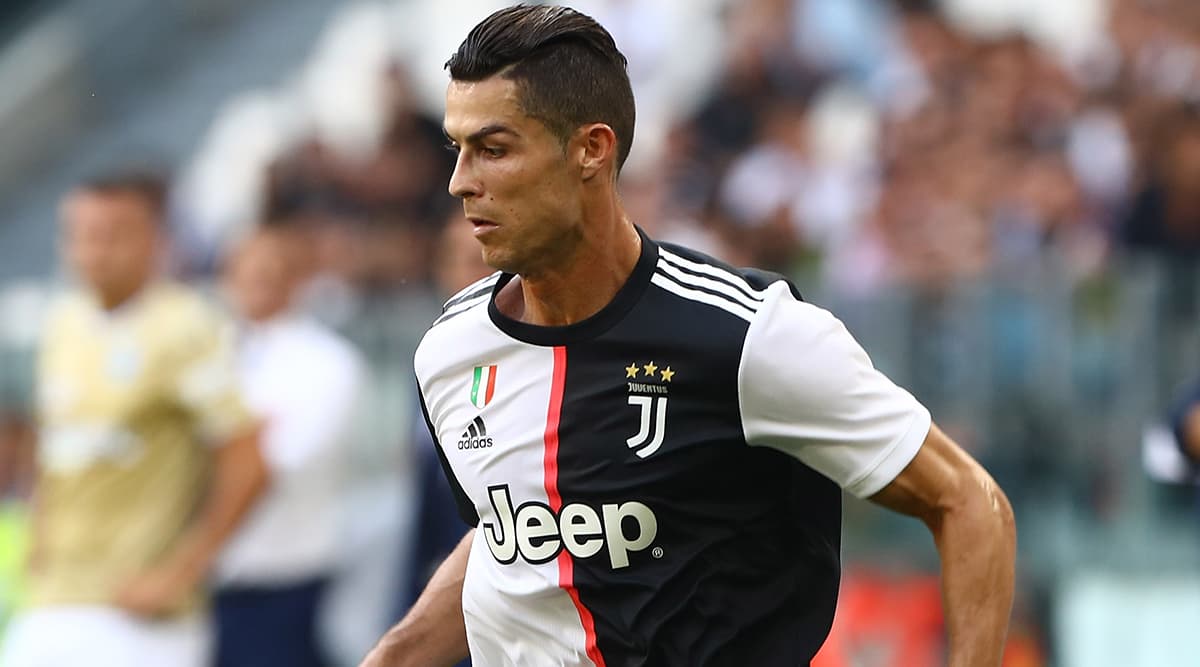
[
  {"x": 313, "y": 340},
  {"x": 182, "y": 308},
  {"x": 698, "y": 277},
  {"x": 774, "y": 312},
  {"x": 183, "y": 322},
  {"x": 65, "y": 306},
  {"x": 459, "y": 329},
  {"x": 471, "y": 295}
]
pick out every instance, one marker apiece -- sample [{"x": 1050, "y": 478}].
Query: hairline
[{"x": 507, "y": 73}]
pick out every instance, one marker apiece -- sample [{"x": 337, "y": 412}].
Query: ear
[{"x": 597, "y": 150}]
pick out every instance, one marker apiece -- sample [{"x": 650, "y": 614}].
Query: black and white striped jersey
[{"x": 658, "y": 485}]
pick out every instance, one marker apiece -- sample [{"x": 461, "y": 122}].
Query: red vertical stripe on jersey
[
  {"x": 566, "y": 566},
  {"x": 491, "y": 386}
]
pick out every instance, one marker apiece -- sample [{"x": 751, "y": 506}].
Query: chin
[{"x": 500, "y": 260}]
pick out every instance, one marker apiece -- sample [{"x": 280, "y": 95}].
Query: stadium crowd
[
  {"x": 855, "y": 145},
  {"x": 930, "y": 156}
]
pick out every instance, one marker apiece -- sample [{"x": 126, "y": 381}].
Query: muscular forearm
[
  {"x": 433, "y": 633},
  {"x": 972, "y": 524},
  {"x": 977, "y": 544}
]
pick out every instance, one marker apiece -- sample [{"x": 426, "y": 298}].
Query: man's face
[
  {"x": 110, "y": 240},
  {"x": 259, "y": 278},
  {"x": 520, "y": 190}
]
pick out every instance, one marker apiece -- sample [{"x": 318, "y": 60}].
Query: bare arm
[
  {"x": 240, "y": 475},
  {"x": 433, "y": 633},
  {"x": 975, "y": 533}
]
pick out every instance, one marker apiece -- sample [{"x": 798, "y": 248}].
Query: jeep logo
[{"x": 537, "y": 535}]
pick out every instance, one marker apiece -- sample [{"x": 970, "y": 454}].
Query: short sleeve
[
  {"x": 205, "y": 380},
  {"x": 807, "y": 388}
]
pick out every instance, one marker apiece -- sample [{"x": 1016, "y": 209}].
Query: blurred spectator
[
  {"x": 17, "y": 465},
  {"x": 1184, "y": 421},
  {"x": 374, "y": 219},
  {"x": 438, "y": 528},
  {"x": 147, "y": 459},
  {"x": 1166, "y": 214},
  {"x": 304, "y": 382}
]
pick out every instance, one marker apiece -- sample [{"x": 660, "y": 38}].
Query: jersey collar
[{"x": 614, "y": 312}]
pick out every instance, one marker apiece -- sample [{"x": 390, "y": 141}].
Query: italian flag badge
[{"x": 483, "y": 388}]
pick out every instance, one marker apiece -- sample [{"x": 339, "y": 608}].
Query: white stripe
[
  {"x": 478, "y": 284},
  {"x": 715, "y": 285},
  {"x": 464, "y": 306},
  {"x": 709, "y": 269},
  {"x": 703, "y": 297},
  {"x": 485, "y": 379}
]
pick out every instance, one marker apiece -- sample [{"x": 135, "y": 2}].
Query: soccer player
[
  {"x": 651, "y": 444},
  {"x": 147, "y": 459}
]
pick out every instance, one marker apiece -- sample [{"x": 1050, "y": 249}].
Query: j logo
[
  {"x": 653, "y": 425},
  {"x": 648, "y": 388}
]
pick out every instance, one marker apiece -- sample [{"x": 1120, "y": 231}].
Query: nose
[{"x": 463, "y": 183}]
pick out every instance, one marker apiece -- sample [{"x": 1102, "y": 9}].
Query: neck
[
  {"x": 586, "y": 280},
  {"x": 259, "y": 319},
  {"x": 115, "y": 298}
]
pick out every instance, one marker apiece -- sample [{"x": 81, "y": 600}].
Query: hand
[{"x": 156, "y": 591}]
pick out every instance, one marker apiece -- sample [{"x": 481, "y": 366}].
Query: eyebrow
[{"x": 482, "y": 133}]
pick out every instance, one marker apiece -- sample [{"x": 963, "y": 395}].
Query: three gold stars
[{"x": 632, "y": 370}]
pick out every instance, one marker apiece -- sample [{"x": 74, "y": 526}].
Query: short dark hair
[
  {"x": 566, "y": 65},
  {"x": 148, "y": 185}
]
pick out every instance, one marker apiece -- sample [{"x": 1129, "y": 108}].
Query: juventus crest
[{"x": 650, "y": 397}]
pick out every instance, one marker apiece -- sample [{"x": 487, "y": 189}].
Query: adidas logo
[{"x": 475, "y": 437}]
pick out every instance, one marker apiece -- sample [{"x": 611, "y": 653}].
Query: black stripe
[
  {"x": 467, "y": 297},
  {"x": 699, "y": 288},
  {"x": 466, "y": 508},
  {"x": 471, "y": 432},
  {"x": 722, "y": 279},
  {"x": 482, "y": 427},
  {"x": 449, "y": 316}
]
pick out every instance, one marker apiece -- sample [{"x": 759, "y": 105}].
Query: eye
[{"x": 493, "y": 152}]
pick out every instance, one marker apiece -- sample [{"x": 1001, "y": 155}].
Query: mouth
[{"x": 482, "y": 225}]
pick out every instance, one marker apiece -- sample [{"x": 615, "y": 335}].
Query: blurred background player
[
  {"x": 437, "y": 529},
  {"x": 304, "y": 381},
  {"x": 147, "y": 459}
]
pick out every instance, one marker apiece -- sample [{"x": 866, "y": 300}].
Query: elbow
[
  {"x": 981, "y": 506},
  {"x": 1005, "y": 518},
  {"x": 262, "y": 479},
  {"x": 255, "y": 470},
  {"x": 261, "y": 475}
]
